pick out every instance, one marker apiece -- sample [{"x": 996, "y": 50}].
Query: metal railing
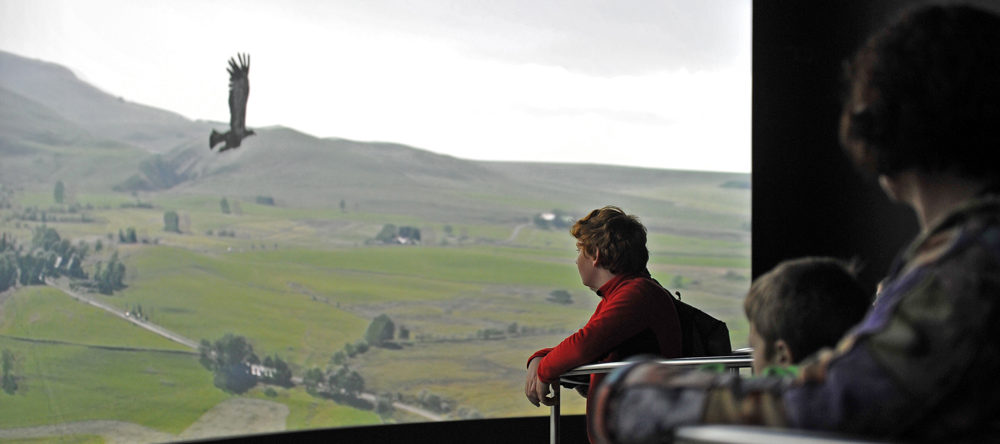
[
  {"x": 739, "y": 359},
  {"x": 739, "y": 434}
]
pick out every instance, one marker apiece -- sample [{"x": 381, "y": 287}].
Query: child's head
[
  {"x": 801, "y": 306},
  {"x": 617, "y": 240}
]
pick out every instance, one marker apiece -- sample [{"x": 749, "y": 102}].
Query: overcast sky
[{"x": 653, "y": 83}]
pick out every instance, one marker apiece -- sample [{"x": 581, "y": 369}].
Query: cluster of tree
[
  {"x": 111, "y": 276},
  {"x": 221, "y": 233},
  {"x": 29, "y": 269},
  {"x": 390, "y": 234},
  {"x": 465, "y": 412},
  {"x": 341, "y": 356},
  {"x": 59, "y": 193},
  {"x": 160, "y": 173},
  {"x": 7, "y": 380},
  {"x": 380, "y": 331},
  {"x": 339, "y": 382},
  {"x": 33, "y": 214},
  {"x": 282, "y": 374},
  {"x": 72, "y": 208},
  {"x": 437, "y": 404},
  {"x": 231, "y": 360},
  {"x": 8, "y": 263},
  {"x": 137, "y": 312},
  {"x": 513, "y": 329},
  {"x": 433, "y": 402},
  {"x": 231, "y": 207},
  {"x": 560, "y": 297},
  {"x": 49, "y": 256},
  {"x": 155, "y": 173},
  {"x": 265, "y": 200},
  {"x": 128, "y": 236},
  {"x": 490, "y": 333},
  {"x": 734, "y": 276},
  {"x": 383, "y": 404},
  {"x": 6, "y": 196},
  {"x": 171, "y": 222},
  {"x": 137, "y": 204},
  {"x": 334, "y": 383}
]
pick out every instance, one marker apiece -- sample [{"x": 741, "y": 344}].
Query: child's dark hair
[{"x": 809, "y": 303}]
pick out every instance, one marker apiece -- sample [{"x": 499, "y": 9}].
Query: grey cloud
[
  {"x": 627, "y": 116},
  {"x": 605, "y": 38}
]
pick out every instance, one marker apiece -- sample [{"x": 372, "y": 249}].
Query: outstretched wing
[{"x": 239, "y": 90}]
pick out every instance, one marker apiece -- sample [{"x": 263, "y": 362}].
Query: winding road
[
  {"x": 517, "y": 229},
  {"x": 115, "y": 311},
  {"x": 194, "y": 345}
]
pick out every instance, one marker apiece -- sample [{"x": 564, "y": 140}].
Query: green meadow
[
  {"x": 276, "y": 244},
  {"x": 300, "y": 282}
]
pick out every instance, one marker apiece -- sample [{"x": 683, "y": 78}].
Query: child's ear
[{"x": 782, "y": 354}]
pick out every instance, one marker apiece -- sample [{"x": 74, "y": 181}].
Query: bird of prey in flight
[{"x": 239, "y": 90}]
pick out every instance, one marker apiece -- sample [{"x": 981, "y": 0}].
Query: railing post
[
  {"x": 739, "y": 359},
  {"x": 554, "y": 416}
]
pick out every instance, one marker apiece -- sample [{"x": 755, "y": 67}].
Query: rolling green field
[
  {"x": 300, "y": 282},
  {"x": 303, "y": 277}
]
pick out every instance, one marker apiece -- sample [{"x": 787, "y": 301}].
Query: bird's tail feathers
[{"x": 215, "y": 138}]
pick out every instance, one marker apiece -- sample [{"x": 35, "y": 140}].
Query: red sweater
[{"x": 635, "y": 316}]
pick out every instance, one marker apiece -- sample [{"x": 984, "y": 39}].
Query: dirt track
[{"x": 121, "y": 314}]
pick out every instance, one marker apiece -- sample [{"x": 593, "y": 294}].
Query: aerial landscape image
[{"x": 357, "y": 215}]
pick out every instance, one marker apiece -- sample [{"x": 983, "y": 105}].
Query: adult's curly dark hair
[{"x": 925, "y": 93}]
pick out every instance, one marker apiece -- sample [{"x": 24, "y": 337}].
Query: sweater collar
[{"x": 611, "y": 285}]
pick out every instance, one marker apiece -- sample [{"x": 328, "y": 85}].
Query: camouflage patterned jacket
[{"x": 924, "y": 364}]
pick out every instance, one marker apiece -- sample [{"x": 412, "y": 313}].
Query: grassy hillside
[
  {"x": 102, "y": 114},
  {"x": 294, "y": 268},
  {"x": 75, "y": 362}
]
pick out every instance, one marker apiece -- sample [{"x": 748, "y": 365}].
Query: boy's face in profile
[
  {"x": 759, "y": 355},
  {"x": 586, "y": 266},
  {"x": 775, "y": 354}
]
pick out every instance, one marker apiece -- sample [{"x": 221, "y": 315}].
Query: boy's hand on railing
[{"x": 537, "y": 391}]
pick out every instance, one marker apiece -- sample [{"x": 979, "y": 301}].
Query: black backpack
[{"x": 701, "y": 334}]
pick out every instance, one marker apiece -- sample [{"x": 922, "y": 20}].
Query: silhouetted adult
[{"x": 924, "y": 364}]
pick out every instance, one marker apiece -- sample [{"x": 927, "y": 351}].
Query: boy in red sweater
[{"x": 635, "y": 315}]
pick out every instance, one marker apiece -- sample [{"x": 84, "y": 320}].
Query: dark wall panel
[{"x": 807, "y": 198}]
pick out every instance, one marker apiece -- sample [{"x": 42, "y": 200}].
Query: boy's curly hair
[{"x": 619, "y": 238}]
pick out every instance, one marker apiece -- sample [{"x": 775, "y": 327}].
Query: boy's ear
[
  {"x": 597, "y": 257},
  {"x": 782, "y": 354}
]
